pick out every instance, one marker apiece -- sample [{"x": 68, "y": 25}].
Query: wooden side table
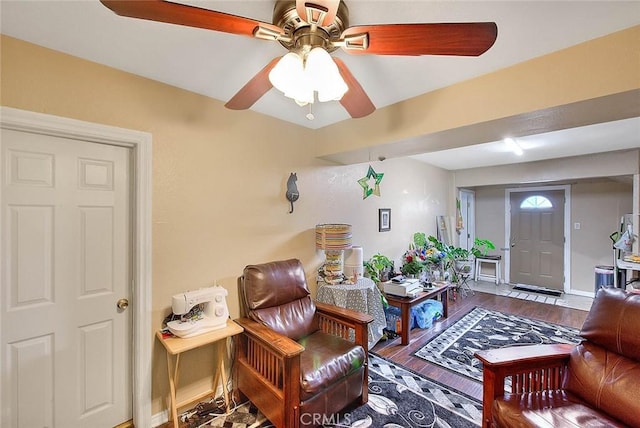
[
  {"x": 406, "y": 303},
  {"x": 176, "y": 346}
]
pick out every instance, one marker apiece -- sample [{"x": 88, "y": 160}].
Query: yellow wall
[{"x": 219, "y": 179}]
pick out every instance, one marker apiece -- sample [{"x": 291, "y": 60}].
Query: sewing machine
[{"x": 213, "y": 316}]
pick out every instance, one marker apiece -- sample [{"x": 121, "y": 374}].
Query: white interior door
[{"x": 66, "y": 346}]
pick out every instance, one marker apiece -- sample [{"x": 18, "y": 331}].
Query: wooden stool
[{"x": 495, "y": 260}]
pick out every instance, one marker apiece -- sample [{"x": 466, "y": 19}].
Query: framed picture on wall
[{"x": 384, "y": 219}]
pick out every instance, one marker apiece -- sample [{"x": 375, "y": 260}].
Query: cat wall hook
[{"x": 292, "y": 190}]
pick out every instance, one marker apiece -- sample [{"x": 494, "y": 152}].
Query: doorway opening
[{"x": 537, "y": 235}]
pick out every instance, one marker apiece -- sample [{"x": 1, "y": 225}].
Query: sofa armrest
[
  {"x": 348, "y": 315},
  {"x": 531, "y": 368},
  {"x": 275, "y": 342},
  {"x": 339, "y": 321},
  {"x": 523, "y": 355},
  {"x": 268, "y": 362}
]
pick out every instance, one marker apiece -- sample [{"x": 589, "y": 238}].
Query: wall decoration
[
  {"x": 364, "y": 182},
  {"x": 384, "y": 219},
  {"x": 292, "y": 190}
]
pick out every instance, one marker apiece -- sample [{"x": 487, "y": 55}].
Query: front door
[
  {"x": 66, "y": 345},
  {"x": 537, "y": 238}
]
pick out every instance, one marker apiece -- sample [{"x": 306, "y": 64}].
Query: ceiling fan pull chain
[{"x": 310, "y": 115}]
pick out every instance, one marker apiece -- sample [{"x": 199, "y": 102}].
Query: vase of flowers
[{"x": 422, "y": 256}]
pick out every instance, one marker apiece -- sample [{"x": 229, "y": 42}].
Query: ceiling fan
[{"x": 303, "y": 25}]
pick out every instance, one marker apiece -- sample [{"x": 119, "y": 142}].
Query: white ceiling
[
  {"x": 604, "y": 137},
  {"x": 218, "y": 64}
]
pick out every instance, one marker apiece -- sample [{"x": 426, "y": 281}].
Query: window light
[{"x": 514, "y": 146}]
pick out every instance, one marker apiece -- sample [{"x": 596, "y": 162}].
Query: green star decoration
[{"x": 364, "y": 182}]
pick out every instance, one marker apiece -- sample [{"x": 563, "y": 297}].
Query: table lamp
[{"x": 333, "y": 239}]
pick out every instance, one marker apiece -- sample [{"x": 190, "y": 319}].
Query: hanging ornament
[{"x": 364, "y": 182}]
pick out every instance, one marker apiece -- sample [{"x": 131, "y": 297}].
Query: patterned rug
[
  {"x": 398, "y": 397},
  {"x": 482, "y": 329}
]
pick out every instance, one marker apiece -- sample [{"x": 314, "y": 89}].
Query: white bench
[{"x": 495, "y": 276}]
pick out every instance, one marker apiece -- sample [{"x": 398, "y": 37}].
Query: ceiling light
[
  {"x": 299, "y": 77},
  {"x": 513, "y": 146}
]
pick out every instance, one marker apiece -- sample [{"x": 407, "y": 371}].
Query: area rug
[
  {"x": 482, "y": 329},
  {"x": 398, "y": 397}
]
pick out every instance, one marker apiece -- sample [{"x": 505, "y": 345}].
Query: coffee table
[{"x": 406, "y": 303}]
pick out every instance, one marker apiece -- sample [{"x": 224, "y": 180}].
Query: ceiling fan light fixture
[
  {"x": 290, "y": 67},
  {"x": 299, "y": 78},
  {"x": 324, "y": 75}
]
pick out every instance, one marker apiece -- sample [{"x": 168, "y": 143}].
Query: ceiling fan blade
[
  {"x": 319, "y": 12},
  {"x": 253, "y": 90},
  {"x": 461, "y": 39},
  {"x": 355, "y": 100},
  {"x": 190, "y": 16}
]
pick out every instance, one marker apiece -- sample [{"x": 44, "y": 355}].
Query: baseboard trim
[
  {"x": 582, "y": 293},
  {"x": 159, "y": 418}
]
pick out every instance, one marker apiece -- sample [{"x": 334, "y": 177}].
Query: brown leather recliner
[
  {"x": 593, "y": 384},
  {"x": 295, "y": 360}
]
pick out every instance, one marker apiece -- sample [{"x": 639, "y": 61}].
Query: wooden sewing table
[{"x": 176, "y": 346}]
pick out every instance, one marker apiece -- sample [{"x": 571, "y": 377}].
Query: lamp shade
[
  {"x": 324, "y": 75},
  {"x": 289, "y": 69},
  {"x": 333, "y": 236}
]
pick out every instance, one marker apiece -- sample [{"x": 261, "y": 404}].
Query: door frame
[
  {"x": 140, "y": 145},
  {"x": 567, "y": 230},
  {"x": 468, "y": 196}
]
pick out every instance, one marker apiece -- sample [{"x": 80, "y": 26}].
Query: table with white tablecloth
[{"x": 363, "y": 296}]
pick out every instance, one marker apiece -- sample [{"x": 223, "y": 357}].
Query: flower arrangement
[
  {"x": 423, "y": 253},
  {"x": 413, "y": 261}
]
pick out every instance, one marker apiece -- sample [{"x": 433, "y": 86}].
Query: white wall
[{"x": 597, "y": 206}]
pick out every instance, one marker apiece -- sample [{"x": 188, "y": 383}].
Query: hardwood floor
[{"x": 394, "y": 351}]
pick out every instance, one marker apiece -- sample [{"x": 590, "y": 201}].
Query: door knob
[{"x": 122, "y": 304}]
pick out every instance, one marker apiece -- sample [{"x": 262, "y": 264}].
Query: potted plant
[
  {"x": 481, "y": 247},
  {"x": 461, "y": 258},
  {"x": 378, "y": 268}
]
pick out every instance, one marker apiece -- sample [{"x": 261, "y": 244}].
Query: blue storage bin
[{"x": 426, "y": 313}]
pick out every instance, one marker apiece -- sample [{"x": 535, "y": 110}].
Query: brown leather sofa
[
  {"x": 299, "y": 362},
  {"x": 593, "y": 384}
]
